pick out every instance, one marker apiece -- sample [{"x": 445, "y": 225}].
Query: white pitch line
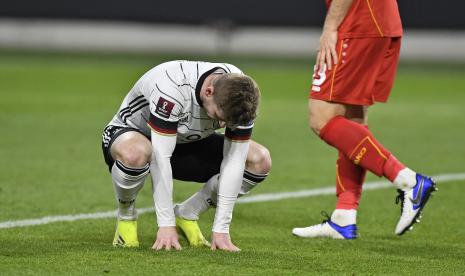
[
  {"x": 376, "y": 185},
  {"x": 332, "y": 190}
]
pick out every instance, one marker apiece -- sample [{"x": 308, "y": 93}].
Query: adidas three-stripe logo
[
  {"x": 135, "y": 105},
  {"x": 120, "y": 240}
]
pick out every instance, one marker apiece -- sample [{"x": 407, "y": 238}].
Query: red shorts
[{"x": 364, "y": 74}]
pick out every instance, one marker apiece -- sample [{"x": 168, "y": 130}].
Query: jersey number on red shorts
[{"x": 318, "y": 80}]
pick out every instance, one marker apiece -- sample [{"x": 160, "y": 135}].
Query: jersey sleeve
[
  {"x": 162, "y": 178},
  {"x": 166, "y": 106},
  {"x": 240, "y": 133},
  {"x": 235, "y": 150}
]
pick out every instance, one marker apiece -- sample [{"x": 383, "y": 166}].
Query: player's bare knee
[
  {"x": 265, "y": 160},
  {"x": 316, "y": 123},
  {"x": 258, "y": 166},
  {"x": 135, "y": 156},
  {"x": 321, "y": 112},
  {"x": 259, "y": 159}
]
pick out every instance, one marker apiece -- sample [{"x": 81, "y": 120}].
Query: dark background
[{"x": 430, "y": 14}]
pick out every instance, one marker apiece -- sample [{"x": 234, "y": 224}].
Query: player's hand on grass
[
  {"x": 327, "y": 51},
  {"x": 167, "y": 237},
  {"x": 222, "y": 241}
]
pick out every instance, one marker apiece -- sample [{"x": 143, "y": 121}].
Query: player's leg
[
  {"x": 131, "y": 152},
  {"x": 412, "y": 200},
  {"x": 349, "y": 177},
  {"x": 355, "y": 141},
  {"x": 258, "y": 165},
  {"x": 128, "y": 155},
  {"x": 360, "y": 146},
  {"x": 201, "y": 161},
  {"x": 349, "y": 181}
]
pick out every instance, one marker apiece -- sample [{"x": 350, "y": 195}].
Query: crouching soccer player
[
  {"x": 167, "y": 126},
  {"x": 356, "y": 66}
]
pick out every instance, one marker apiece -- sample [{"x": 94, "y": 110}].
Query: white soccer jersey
[
  {"x": 167, "y": 97},
  {"x": 165, "y": 104}
]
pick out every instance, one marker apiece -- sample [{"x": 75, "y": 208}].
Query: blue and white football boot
[
  {"x": 413, "y": 202},
  {"x": 327, "y": 229}
]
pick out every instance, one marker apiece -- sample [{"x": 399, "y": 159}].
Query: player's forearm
[
  {"x": 163, "y": 193},
  {"x": 336, "y": 14},
  {"x": 162, "y": 179},
  {"x": 230, "y": 185},
  {"x": 231, "y": 173}
]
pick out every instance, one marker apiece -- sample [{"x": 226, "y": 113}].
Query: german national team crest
[{"x": 164, "y": 107}]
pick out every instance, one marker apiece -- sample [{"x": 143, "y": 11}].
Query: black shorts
[{"x": 196, "y": 161}]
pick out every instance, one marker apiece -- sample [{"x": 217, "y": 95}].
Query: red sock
[
  {"x": 349, "y": 179},
  {"x": 359, "y": 145}
]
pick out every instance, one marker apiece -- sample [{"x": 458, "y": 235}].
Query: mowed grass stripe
[{"x": 375, "y": 185}]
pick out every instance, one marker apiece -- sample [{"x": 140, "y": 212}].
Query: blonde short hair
[{"x": 238, "y": 96}]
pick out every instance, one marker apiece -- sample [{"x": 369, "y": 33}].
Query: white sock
[
  {"x": 406, "y": 179},
  {"x": 127, "y": 183},
  {"x": 250, "y": 181},
  {"x": 201, "y": 201},
  {"x": 344, "y": 217},
  {"x": 198, "y": 203}
]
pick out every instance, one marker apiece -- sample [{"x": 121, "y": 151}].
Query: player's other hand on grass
[
  {"x": 222, "y": 241},
  {"x": 167, "y": 237}
]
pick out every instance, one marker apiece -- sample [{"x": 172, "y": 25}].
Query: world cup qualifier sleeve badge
[{"x": 164, "y": 107}]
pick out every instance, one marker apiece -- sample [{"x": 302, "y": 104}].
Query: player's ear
[{"x": 209, "y": 91}]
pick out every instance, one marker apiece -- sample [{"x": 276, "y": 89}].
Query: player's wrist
[
  {"x": 220, "y": 230},
  {"x": 166, "y": 224},
  {"x": 330, "y": 29},
  {"x": 331, "y": 25}
]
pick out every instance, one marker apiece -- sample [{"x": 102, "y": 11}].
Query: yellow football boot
[
  {"x": 126, "y": 234},
  {"x": 191, "y": 230}
]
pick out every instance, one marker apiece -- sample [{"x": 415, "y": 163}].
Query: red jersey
[{"x": 371, "y": 18}]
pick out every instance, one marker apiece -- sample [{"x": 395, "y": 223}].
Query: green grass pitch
[{"x": 53, "y": 108}]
